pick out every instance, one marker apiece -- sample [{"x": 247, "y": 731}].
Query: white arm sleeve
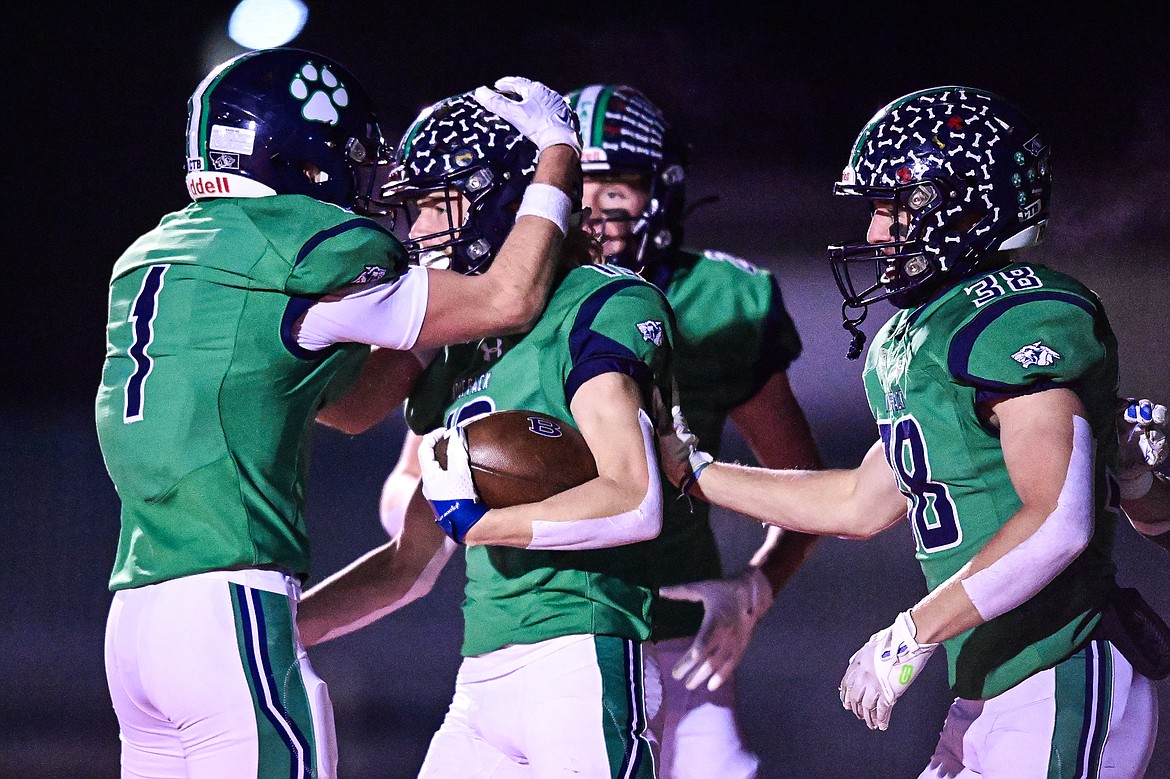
[
  {"x": 388, "y": 315},
  {"x": 639, "y": 524},
  {"x": 1064, "y": 534}
]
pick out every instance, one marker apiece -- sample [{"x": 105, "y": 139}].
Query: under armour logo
[{"x": 491, "y": 352}]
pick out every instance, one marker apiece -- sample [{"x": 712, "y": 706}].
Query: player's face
[
  {"x": 435, "y": 216},
  {"x": 882, "y": 227},
  {"x": 615, "y": 202}
]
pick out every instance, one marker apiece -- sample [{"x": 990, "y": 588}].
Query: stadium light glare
[{"x": 262, "y": 24}]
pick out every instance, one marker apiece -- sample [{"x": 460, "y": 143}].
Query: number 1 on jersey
[{"x": 142, "y": 313}]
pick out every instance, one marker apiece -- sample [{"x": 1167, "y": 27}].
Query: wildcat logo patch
[
  {"x": 1036, "y": 354},
  {"x": 651, "y": 331},
  {"x": 371, "y": 274}
]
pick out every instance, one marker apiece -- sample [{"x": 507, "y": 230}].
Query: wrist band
[
  {"x": 547, "y": 202},
  {"x": 692, "y": 479}
]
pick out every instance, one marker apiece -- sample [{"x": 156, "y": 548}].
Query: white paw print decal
[{"x": 321, "y": 92}]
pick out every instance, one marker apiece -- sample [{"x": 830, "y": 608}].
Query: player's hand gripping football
[
  {"x": 880, "y": 672},
  {"x": 679, "y": 453},
  {"x": 538, "y": 112},
  {"x": 450, "y": 491},
  {"x": 731, "y": 609},
  {"x": 1143, "y": 453}
]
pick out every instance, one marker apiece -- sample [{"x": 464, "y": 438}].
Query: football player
[
  {"x": 994, "y": 390},
  {"x": 734, "y": 342},
  {"x": 558, "y": 595},
  {"x": 230, "y": 325}
]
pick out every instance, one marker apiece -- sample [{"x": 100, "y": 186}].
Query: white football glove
[
  {"x": 880, "y": 672},
  {"x": 450, "y": 491},
  {"x": 731, "y": 609},
  {"x": 538, "y": 112},
  {"x": 679, "y": 452},
  {"x": 1142, "y": 452}
]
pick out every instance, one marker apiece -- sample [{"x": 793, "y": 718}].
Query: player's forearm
[
  {"x": 1053, "y": 524},
  {"x": 804, "y": 501},
  {"x": 521, "y": 274},
  {"x": 376, "y": 584},
  {"x": 598, "y": 514},
  {"x": 1027, "y": 553},
  {"x": 782, "y": 554},
  {"x": 386, "y": 379},
  {"x": 1150, "y": 514}
]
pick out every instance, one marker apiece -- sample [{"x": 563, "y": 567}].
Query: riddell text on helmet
[{"x": 208, "y": 185}]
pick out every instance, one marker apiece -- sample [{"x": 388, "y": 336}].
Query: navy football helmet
[
  {"x": 623, "y": 132},
  {"x": 969, "y": 175},
  {"x": 457, "y": 147},
  {"x": 284, "y": 122}
]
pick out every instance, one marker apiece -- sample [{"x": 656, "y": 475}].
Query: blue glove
[{"x": 451, "y": 491}]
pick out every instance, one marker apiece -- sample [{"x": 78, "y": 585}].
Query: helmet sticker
[
  {"x": 238, "y": 140},
  {"x": 223, "y": 161},
  {"x": 328, "y": 94}
]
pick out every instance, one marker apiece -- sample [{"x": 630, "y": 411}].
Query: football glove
[
  {"x": 1142, "y": 452},
  {"x": 880, "y": 672},
  {"x": 682, "y": 460},
  {"x": 451, "y": 491},
  {"x": 731, "y": 609},
  {"x": 538, "y": 112}
]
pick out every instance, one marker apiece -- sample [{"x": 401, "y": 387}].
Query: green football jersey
[
  {"x": 206, "y": 404},
  {"x": 1020, "y": 329},
  {"x": 598, "y": 320},
  {"x": 732, "y": 334}
]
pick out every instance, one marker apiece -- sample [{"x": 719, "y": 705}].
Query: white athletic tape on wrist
[
  {"x": 1064, "y": 534},
  {"x": 548, "y": 202},
  {"x": 640, "y": 524}
]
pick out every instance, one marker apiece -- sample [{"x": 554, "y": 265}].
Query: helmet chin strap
[{"x": 851, "y": 324}]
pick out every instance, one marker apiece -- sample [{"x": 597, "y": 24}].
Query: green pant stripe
[
  {"x": 623, "y": 702},
  {"x": 284, "y": 721},
  {"x": 1084, "y": 701}
]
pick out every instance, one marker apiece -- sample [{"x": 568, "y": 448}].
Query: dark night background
[{"x": 96, "y": 99}]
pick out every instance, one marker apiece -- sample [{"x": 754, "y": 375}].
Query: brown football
[{"x": 523, "y": 457}]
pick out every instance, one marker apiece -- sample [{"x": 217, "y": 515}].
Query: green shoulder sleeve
[{"x": 1028, "y": 342}]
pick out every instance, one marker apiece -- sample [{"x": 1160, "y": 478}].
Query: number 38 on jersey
[{"x": 932, "y": 511}]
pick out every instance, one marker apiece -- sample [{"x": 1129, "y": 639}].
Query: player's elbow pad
[
  {"x": 1062, "y": 536},
  {"x": 639, "y": 524}
]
